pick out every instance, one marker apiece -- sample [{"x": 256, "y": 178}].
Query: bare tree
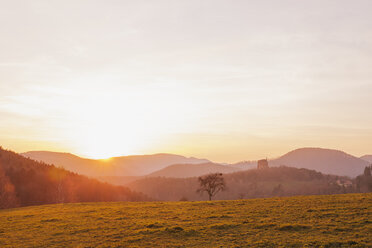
[{"x": 212, "y": 184}]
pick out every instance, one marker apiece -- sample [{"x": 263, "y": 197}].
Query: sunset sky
[{"x": 223, "y": 80}]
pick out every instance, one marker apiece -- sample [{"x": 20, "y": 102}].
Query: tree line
[
  {"x": 364, "y": 181},
  {"x": 274, "y": 181}
]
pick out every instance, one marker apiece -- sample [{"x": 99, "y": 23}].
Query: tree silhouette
[
  {"x": 367, "y": 171},
  {"x": 278, "y": 190},
  {"x": 212, "y": 184}
]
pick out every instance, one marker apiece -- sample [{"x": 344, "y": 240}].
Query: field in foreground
[{"x": 308, "y": 221}]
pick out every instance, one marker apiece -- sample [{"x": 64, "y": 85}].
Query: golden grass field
[{"x": 304, "y": 221}]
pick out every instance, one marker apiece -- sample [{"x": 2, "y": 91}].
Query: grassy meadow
[{"x": 302, "y": 221}]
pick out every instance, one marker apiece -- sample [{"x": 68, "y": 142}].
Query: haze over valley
[
  {"x": 169, "y": 177},
  {"x": 327, "y": 161}
]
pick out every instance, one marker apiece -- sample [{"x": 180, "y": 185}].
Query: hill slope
[
  {"x": 137, "y": 165},
  {"x": 275, "y": 181},
  {"x": 312, "y": 221},
  {"x": 367, "y": 158},
  {"x": 192, "y": 170},
  {"x": 25, "y": 182},
  {"x": 323, "y": 160}
]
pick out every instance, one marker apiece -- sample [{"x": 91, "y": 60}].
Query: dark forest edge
[{"x": 25, "y": 182}]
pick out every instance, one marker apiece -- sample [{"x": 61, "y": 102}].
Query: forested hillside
[
  {"x": 276, "y": 181},
  {"x": 24, "y": 182}
]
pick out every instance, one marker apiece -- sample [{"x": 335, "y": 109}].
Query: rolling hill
[
  {"x": 192, "y": 170},
  {"x": 245, "y": 165},
  {"x": 302, "y": 221},
  {"x": 25, "y": 182},
  {"x": 119, "y": 180},
  {"x": 123, "y": 169},
  {"x": 327, "y": 161},
  {"x": 254, "y": 183},
  {"x": 136, "y": 165},
  {"x": 367, "y": 158}
]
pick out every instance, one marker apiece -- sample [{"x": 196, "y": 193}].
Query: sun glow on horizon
[
  {"x": 222, "y": 81},
  {"x": 108, "y": 123}
]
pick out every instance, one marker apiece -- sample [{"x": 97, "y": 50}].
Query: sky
[{"x": 223, "y": 80}]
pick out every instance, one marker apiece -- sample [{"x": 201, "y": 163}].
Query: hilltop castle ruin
[{"x": 262, "y": 164}]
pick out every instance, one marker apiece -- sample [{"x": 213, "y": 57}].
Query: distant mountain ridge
[
  {"x": 326, "y": 161},
  {"x": 134, "y": 165}
]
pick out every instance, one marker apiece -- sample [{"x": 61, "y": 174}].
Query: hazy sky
[{"x": 226, "y": 80}]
